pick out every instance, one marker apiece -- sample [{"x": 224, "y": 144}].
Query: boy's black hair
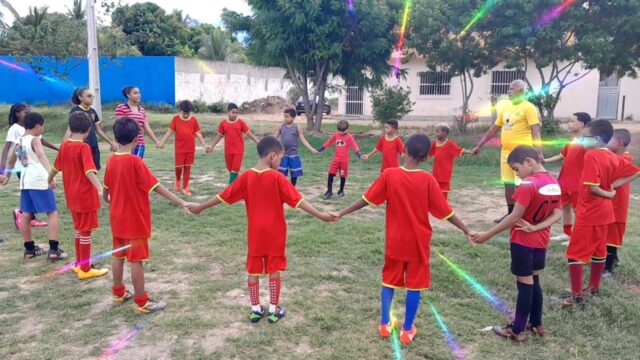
[
  {"x": 125, "y": 130},
  {"x": 583, "y": 117},
  {"x": 127, "y": 90},
  {"x": 185, "y": 106},
  {"x": 32, "y": 120},
  {"x": 231, "y": 106},
  {"x": 13, "y": 112},
  {"x": 75, "y": 97},
  {"x": 602, "y": 129},
  {"x": 79, "y": 122},
  {"x": 443, "y": 127},
  {"x": 292, "y": 112},
  {"x": 268, "y": 145},
  {"x": 418, "y": 146},
  {"x": 522, "y": 152},
  {"x": 392, "y": 123},
  {"x": 342, "y": 125},
  {"x": 624, "y": 135}
]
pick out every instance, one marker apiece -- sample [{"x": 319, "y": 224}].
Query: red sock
[
  {"x": 274, "y": 291},
  {"x": 76, "y": 241},
  {"x": 142, "y": 299},
  {"x": 575, "y": 275},
  {"x": 597, "y": 267},
  {"x": 178, "y": 173},
  {"x": 187, "y": 175},
  {"x": 254, "y": 293},
  {"x": 118, "y": 290},
  {"x": 85, "y": 250},
  {"x": 567, "y": 229}
]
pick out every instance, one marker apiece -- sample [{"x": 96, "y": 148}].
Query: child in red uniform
[
  {"x": 411, "y": 194},
  {"x": 444, "y": 152},
  {"x": 340, "y": 163},
  {"x": 594, "y": 213},
  {"x": 390, "y": 146},
  {"x": 127, "y": 185},
  {"x": 618, "y": 145},
  {"x": 569, "y": 177},
  {"x": 264, "y": 191},
  {"x": 185, "y": 126},
  {"x": 81, "y": 189},
  {"x": 537, "y": 207},
  {"x": 233, "y": 130}
]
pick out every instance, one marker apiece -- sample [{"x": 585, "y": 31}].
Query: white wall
[
  {"x": 232, "y": 82},
  {"x": 631, "y": 89}
]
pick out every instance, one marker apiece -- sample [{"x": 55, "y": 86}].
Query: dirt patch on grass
[
  {"x": 216, "y": 338},
  {"x": 478, "y": 207},
  {"x": 30, "y": 327}
]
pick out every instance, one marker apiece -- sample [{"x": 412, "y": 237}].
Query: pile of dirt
[{"x": 268, "y": 105}]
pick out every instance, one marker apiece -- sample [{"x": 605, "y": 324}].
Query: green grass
[{"x": 331, "y": 288}]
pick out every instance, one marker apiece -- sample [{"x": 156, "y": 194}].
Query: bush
[
  {"x": 462, "y": 121},
  {"x": 199, "y": 106},
  {"x": 391, "y": 102},
  {"x": 293, "y": 94},
  {"x": 550, "y": 127},
  {"x": 218, "y": 107}
]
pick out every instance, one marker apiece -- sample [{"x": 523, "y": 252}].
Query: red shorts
[
  {"x": 569, "y": 198},
  {"x": 409, "y": 275},
  {"x": 588, "y": 241},
  {"x": 339, "y": 167},
  {"x": 185, "y": 159},
  {"x": 616, "y": 234},
  {"x": 85, "y": 221},
  {"x": 262, "y": 265},
  {"x": 137, "y": 250},
  {"x": 445, "y": 186},
  {"x": 234, "y": 162}
]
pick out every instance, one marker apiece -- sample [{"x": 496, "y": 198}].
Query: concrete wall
[{"x": 215, "y": 81}]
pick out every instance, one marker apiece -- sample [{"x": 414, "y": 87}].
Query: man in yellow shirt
[{"x": 520, "y": 125}]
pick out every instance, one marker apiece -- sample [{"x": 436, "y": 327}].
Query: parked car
[{"x": 326, "y": 109}]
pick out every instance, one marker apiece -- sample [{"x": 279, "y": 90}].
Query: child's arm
[
  {"x": 505, "y": 224},
  {"x": 455, "y": 221},
  {"x": 304, "y": 142},
  {"x": 598, "y": 191},
  {"x": 5, "y": 153},
  {"x": 171, "y": 196},
  {"x": 93, "y": 178},
  {"x": 523, "y": 225},
  {"x": 367, "y": 156},
  {"x": 553, "y": 159},
  {"x": 52, "y": 175},
  {"x": 149, "y": 131},
  {"x": 201, "y": 139},
  {"x": 216, "y": 140},
  {"x": 39, "y": 150},
  {"x": 623, "y": 181},
  {"x": 165, "y": 138},
  {"x": 49, "y": 145},
  {"x": 252, "y": 137},
  {"x": 105, "y": 195},
  {"x": 4, "y": 179},
  {"x": 112, "y": 144},
  {"x": 466, "y": 152},
  {"x": 355, "y": 206},
  {"x": 308, "y": 208},
  {"x": 198, "y": 208}
]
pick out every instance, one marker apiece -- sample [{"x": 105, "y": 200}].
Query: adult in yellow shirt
[{"x": 520, "y": 125}]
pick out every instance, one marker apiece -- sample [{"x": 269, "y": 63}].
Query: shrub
[{"x": 391, "y": 102}]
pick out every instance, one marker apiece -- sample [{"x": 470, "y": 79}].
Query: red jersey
[
  {"x": 571, "y": 170},
  {"x": 621, "y": 200},
  {"x": 443, "y": 157},
  {"x": 601, "y": 168},
  {"x": 410, "y": 195},
  {"x": 185, "y": 133},
  {"x": 233, "y": 133},
  {"x": 390, "y": 149},
  {"x": 343, "y": 143},
  {"x": 129, "y": 182},
  {"x": 263, "y": 193},
  {"x": 74, "y": 161},
  {"x": 540, "y": 194}
]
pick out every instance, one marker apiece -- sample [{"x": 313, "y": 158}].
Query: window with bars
[
  {"x": 436, "y": 83},
  {"x": 354, "y": 101},
  {"x": 501, "y": 79}
]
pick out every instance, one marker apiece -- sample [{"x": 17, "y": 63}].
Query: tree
[
  {"x": 317, "y": 39},
  {"x": 391, "y": 102},
  {"x": 114, "y": 42},
  {"x": 77, "y": 11},
  {"x": 433, "y": 34},
  {"x": 219, "y": 45}
]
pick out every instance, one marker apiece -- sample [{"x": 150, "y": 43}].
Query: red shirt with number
[
  {"x": 185, "y": 131},
  {"x": 571, "y": 170},
  {"x": 129, "y": 182},
  {"x": 343, "y": 143},
  {"x": 443, "y": 157},
  {"x": 75, "y": 160},
  {"x": 539, "y": 194},
  {"x": 410, "y": 196},
  {"x": 233, "y": 132},
  {"x": 264, "y": 193},
  {"x": 621, "y": 200},
  {"x": 390, "y": 149}
]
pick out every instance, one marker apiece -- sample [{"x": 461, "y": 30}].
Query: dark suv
[{"x": 300, "y": 106}]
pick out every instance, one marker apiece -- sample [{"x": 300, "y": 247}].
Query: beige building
[{"x": 437, "y": 96}]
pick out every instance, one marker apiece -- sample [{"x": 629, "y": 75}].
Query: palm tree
[
  {"x": 3, "y": 24},
  {"x": 218, "y": 45},
  {"x": 77, "y": 10},
  {"x": 34, "y": 20}
]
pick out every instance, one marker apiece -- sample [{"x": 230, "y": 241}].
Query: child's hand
[
  {"x": 209, "y": 149},
  {"x": 480, "y": 238},
  {"x": 364, "y": 157},
  {"x": 327, "y": 217},
  {"x": 335, "y": 215},
  {"x": 193, "y": 208},
  {"x": 3, "y": 180},
  {"x": 315, "y": 152},
  {"x": 523, "y": 225},
  {"x": 113, "y": 147},
  {"x": 470, "y": 237},
  {"x": 53, "y": 184},
  {"x": 160, "y": 145}
]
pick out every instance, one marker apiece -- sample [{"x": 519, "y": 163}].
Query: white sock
[
  {"x": 256, "y": 308},
  {"x": 272, "y": 308}
]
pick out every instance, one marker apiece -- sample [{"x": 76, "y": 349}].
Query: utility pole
[{"x": 93, "y": 56}]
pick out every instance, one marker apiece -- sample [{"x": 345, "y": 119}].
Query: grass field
[{"x": 331, "y": 288}]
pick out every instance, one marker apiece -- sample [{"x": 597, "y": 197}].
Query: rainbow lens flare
[
  {"x": 398, "y": 52},
  {"x": 552, "y": 14},
  {"x": 484, "y": 10},
  {"x": 70, "y": 266},
  {"x": 121, "y": 342},
  {"x": 451, "y": 340}
]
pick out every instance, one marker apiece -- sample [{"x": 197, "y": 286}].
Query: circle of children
[{"x": 592, "y": 182}]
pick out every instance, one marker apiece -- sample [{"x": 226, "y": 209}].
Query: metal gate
[
  {"x": 354, "y": 102},
  {"x": 608, "y": 94}
]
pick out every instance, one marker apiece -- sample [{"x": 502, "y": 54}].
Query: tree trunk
[{"x": 321, "y": 87}]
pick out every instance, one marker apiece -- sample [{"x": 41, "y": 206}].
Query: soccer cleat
[
  {"x": 37, "y": 251},
  {"x": 275, "y": 316},
  {"x": 607, "y": 274},
  {"x": 83, "y": 275},
  {"x": 255, "y": 316},
  {"x": 151, "y": 306},
  {"x": 38, "y": 223},
  {"x": 507, "y": 332},
  {"x": 327, "y": 195},
  {"x": 537, "y": 330},
  {"x": 17, "y": 218},
  {"x": 574, "y": 302},
  {"x": 340, "y": 194},
  {"x": 385, "y": 330},
  {"x": 57, "y": 255},
  {"x": 186, "y": 191},
  {"x": 407, "y": 336},
  {"x": 124, "y": 298},
  {"x": 176, "y": 186}
]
